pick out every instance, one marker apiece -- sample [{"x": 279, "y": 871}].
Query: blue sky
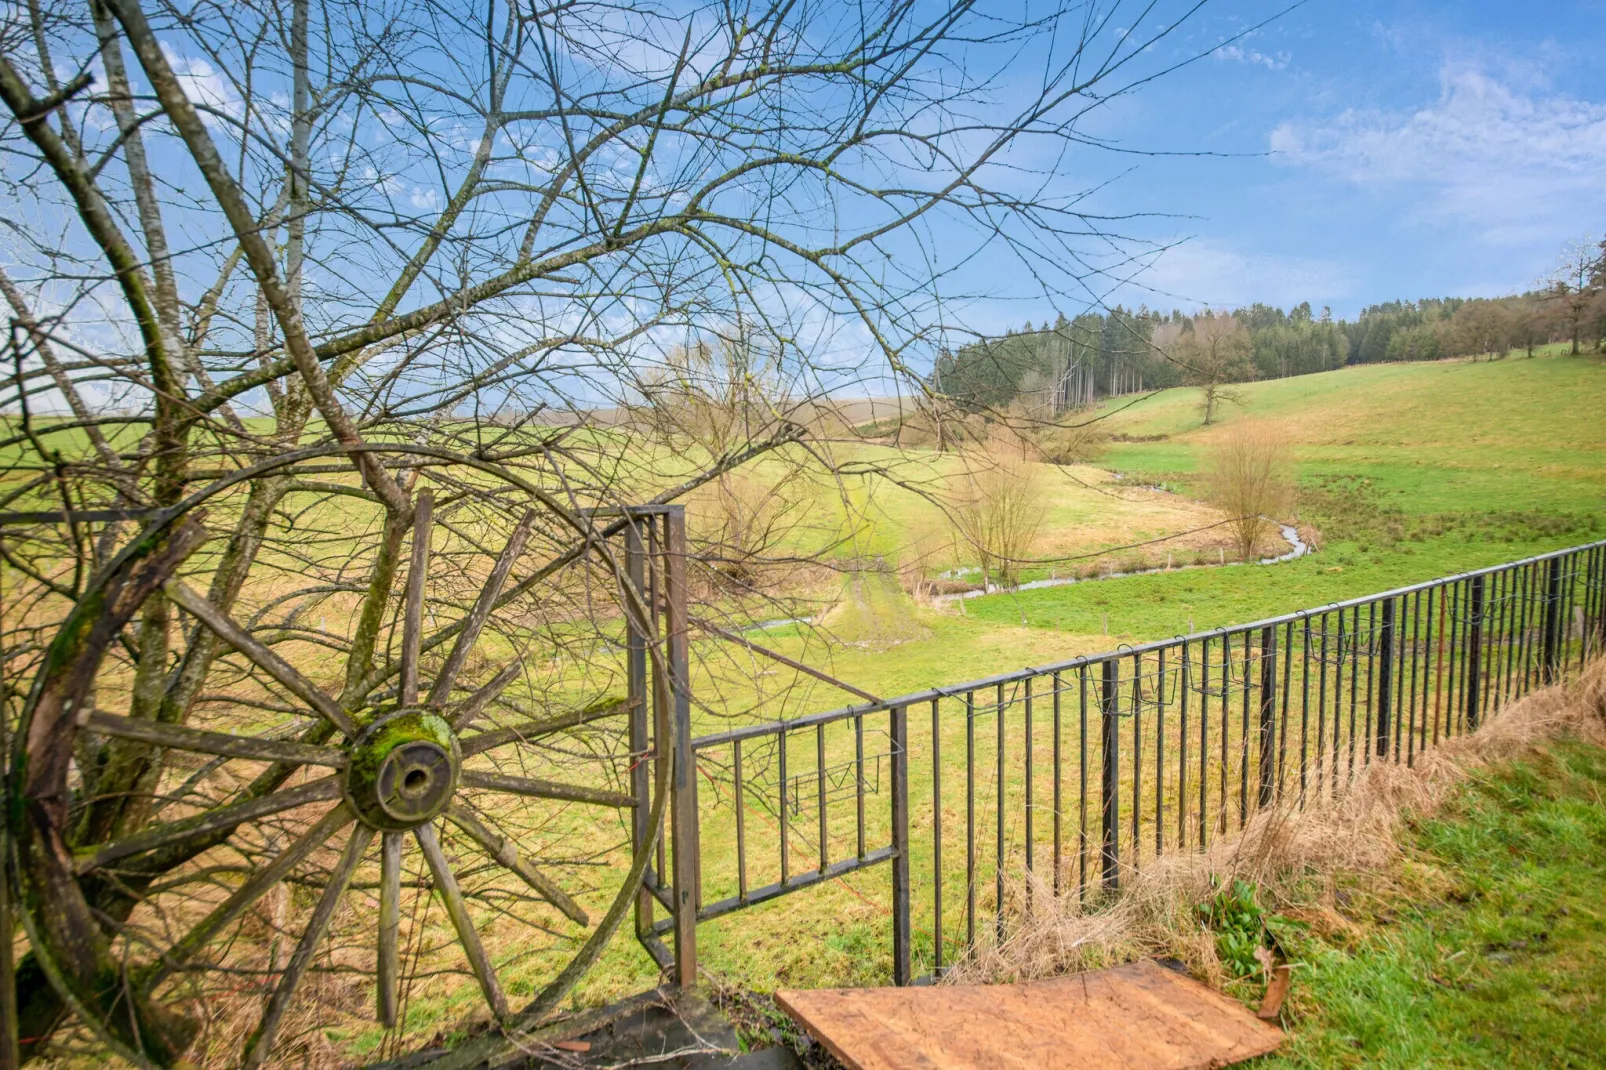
[{"x": 1373, "y": 150}]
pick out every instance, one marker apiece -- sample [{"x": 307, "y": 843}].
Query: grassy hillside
[{"x": 1409, "y": 471}]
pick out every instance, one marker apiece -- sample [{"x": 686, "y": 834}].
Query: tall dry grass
[
  {"x": 1283, "y": 852},
  {"x": 1249, "y": 476}
]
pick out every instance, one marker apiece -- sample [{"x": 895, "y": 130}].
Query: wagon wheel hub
[{"x": 402, "y": 770}]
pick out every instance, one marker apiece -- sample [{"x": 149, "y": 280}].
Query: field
[
  {"x": 1406, "y": 472},
  {"x": 1471, "y": 952}
]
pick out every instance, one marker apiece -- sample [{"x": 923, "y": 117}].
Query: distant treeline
[{"x": 1072, "y": 363}]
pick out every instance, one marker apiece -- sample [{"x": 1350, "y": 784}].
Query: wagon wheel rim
[{"x": 395, "y": 779}]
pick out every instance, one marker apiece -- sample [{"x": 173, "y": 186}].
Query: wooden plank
[{"x": 1141, "y": 1014}]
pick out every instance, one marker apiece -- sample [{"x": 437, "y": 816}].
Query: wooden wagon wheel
[{"x": 313, "y": 785}]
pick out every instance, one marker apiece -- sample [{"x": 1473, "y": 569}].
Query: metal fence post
[
  {"x": 900, "y": 845},
  {"x": 1385, "y": 676},
  {"x": 1553, "y": 623},
  {"x": 1474, "y": 653},
  {"x": 683, "y": 797},
  {"x": 1110, "y": 782},
  {"x": 636, "y": 677},
  {"x": 1268, "y": 714}
]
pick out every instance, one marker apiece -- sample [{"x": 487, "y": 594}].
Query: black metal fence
[{"x": 1079, "y": 773}]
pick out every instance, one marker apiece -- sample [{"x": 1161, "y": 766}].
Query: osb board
[{"x": 1140, "y": 1015}]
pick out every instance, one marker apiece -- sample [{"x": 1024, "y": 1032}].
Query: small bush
[{"x": 1240, "y": 927}]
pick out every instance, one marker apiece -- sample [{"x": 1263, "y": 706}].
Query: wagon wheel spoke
[
  {"x": 446, "y": 884},
  {"x": 390, "y": 859},
  {"x": 545, "y": 789},
  {"x": 261, "y": 1042},
  {"x": 237, "y": 637},
  {"x": 528, "y": 730},
  {"x": 154, "y": 836},
  {"x": 249, "y": 892},
  {"x": 180, "y": 737},
  {"x": 474, "y": 623},
  {"x": 502, "y": 849},
  {"x": 476, "y": 703},
  {"x": 413, "y": 612}
]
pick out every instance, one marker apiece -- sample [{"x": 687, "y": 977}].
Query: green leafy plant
[{"x": 1239, "y": 924}]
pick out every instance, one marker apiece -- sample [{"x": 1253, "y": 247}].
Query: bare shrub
[
  {"x": 997, "y": 507},
  {"x": 1248, "y": 476},
  {"x": 1079, "y": 442}
]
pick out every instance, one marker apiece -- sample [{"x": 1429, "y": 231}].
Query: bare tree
[
  {"x": 997, "y": 505},
  {"x": 315, "y": 266},
  {"x": 1247, "y": 476},
  {"x": 1574, "y": 282},
  {"x": 1214, "y": 353}
]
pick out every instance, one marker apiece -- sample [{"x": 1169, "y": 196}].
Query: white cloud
[
  {"x": 204, "y": 85},
  {"x": 1202, "y": 272},
  {"x": 1248, "y": 55},
  {"x": 1518, "y": 163}
]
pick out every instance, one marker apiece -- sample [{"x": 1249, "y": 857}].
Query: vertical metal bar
[
  {"x": 1530, "y": 582},
  {"x": 1186, "y": 684},
  {"x": 1322, "y": 759},
  {"x": 998, "y": 859},
  {"x": 1268, "y": 714},
  {"x": 858, "y": 780},
  {"x": 936, "y": 834},
  {"x": 1371, "y": 675},
  {"x": 1059, "y": 793},
  {"x": 1354, "y": 681},
  {"x": 1204, "y": 743},
  {"x": 1110, "y": 786},
  {"x": 1426, "y": 670},
  {"x": 970, "y": 819},
  {"x": 1511, "y": 634},
  {"x": 899, "y": 730},
  {"x": 1438, "y": 668},
  {"x": 1401, "y": 643},
  {"x": 683, "y": 799},
  {"x": 741, "y": 821},
  {"x": 1030, "y": 798},
  {"x": 636, "y": 639},
  {"x": 660, "y": 686},
  {"x": 1225, "y": 707},
  {"x": 1137, "y": 761},
  {"x": 1282, "y": 726},
  {"x": 1304, "y": 710},
  {"x": 1159, "y": 754},
  {"x": 1338, "y": 702},
  {"x": 1243, "y": 736},
  {"x": 785, "y": 810},
  {"x": 819, "y": 790},
  {"x": 1385, "y": 676},
  {"x": 1411, "y": 646},
  {"x": 1457, "y": 663},
  {"x": 1474, "y": 654},
  {"x": 1338, "y": 699},
  {"x": 1081, "y": 839},
  {"x": 1552, "y": 637}
]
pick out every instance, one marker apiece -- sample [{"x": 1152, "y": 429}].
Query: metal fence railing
[{"x": 1079, "y": 773}]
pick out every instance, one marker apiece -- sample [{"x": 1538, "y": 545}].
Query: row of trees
[{"x": 1070, "y": 364}]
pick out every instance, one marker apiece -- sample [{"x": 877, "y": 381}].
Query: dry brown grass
[{"x": 1284, "y": 853}]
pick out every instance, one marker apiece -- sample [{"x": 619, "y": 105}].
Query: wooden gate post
[
  {"x": 683, "y": 797},
  {"x": 636, "y": 639},
  {"x": 900, "y": 845}
]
